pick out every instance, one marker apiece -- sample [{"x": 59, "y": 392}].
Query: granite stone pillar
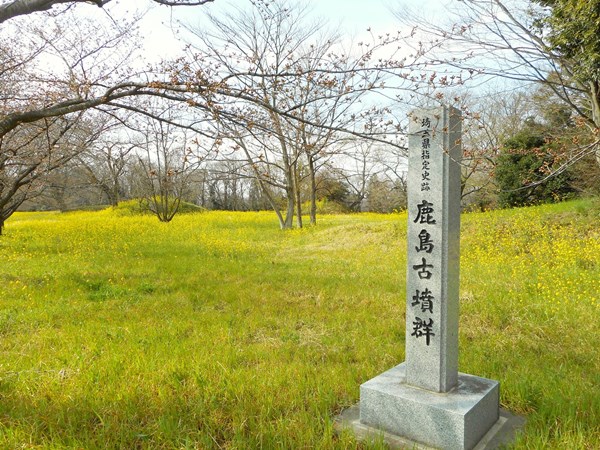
[{"x": 425, "y": 399}]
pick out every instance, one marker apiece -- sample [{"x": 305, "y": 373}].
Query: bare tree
[
  {"x": 332, "y": 103},
  {"x": 360, "y": 165},
  {"x": 67, "y": 63},
  {"x": 522, "y": 41},
  {"x": 228, "y": 184},
  {"x": 55, "y": 67},
  {"x": 29, "y": 155},
  {"x": 288, "y": 92},
  {"x": 106, "y": 164},
  {"x": 169, "y": 157},
  {"x": 51, "y": 64},
  {"x": 258, "y": 52}
]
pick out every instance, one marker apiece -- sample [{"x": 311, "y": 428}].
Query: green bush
[{"x": 526, "y": 172}]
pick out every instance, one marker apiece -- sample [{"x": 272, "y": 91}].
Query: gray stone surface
[
  {"x": 457, "y": 419},
  {"x": 502, "y": 433},
  {"x": 425, "y": 399},
  {"x": 433, "y": 249}
]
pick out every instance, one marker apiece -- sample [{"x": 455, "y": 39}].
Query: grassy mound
[{"x": 140, "y": 207}]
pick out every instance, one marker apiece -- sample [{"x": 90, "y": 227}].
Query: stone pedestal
[{"x": 457, "y": 419}]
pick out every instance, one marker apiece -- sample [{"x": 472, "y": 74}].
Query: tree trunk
[
  {"x": 283, "y": 224},
  {"x": 313, "y": 191},
  {"x": 115, "y": 193},
  {"x": 289, "y": 215},
  {"x": 4, "y": 215},
  {"x": 596, "y": 114},
  {"x": 267, "y": 193},
  {"x": 280, "y": 218},
  {"x": 289, "y": 190},
  {"x": 288, "y": 166},
  {"x": 297, "y": 196}
]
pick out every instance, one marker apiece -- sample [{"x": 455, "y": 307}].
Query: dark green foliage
[
  {"x": 529, "y": 139},
  {"x": 331, "y": 188},
  {"x": 526, "y": 171},
  {"x": 572, "y": 28}
]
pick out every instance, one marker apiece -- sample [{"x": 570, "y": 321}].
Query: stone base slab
[
  {"x": 457, "y": 419},
  {"x": 502, "y": 433}
]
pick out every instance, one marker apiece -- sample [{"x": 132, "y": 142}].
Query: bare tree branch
[
  {"x": 23, "y": 7},
  {"x": 182, "y": 2}
]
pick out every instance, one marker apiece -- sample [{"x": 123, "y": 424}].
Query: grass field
[{"x": 220, "y": 331}]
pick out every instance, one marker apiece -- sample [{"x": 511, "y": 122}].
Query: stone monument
[{"x": 425, "y": 400}]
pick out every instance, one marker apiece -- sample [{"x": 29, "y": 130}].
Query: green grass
[{"x": 220, "y": 331}]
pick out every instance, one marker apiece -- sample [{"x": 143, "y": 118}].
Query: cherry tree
[
  {"x": 287, "y": 92},
  {"x": 58, "y": 70}
]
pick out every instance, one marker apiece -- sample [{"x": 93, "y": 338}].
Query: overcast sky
[{"x": 352, "y": 16}]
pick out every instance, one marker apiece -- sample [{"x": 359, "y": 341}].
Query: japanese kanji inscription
[{"x": 432, "y": 278}]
